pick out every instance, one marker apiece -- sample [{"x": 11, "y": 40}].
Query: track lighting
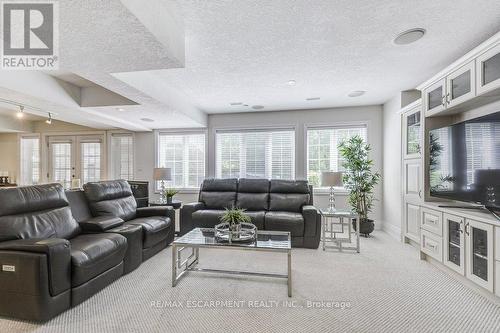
[
  {"x": 49, "y": 121},
  {"x": 20, "y": 113}
]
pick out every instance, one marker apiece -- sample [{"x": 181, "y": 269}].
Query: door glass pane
[
  {"x": 480, "y": 253},
  {"x": 61, "y": 163},
  {"x": 91, "y": 161},
  {"x": 454, "y": 242},
  {"x": 435, "y": 98},
  {"x": 491, "y": 69},
  {"x": 413, "y": 133},
  {"x": 30, "y": 161},
  {"x": 460, "y": 85}
]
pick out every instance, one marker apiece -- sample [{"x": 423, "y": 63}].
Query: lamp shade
[
  {"x": 330, "y": 178},
  {"x": 162, "y": 174}
]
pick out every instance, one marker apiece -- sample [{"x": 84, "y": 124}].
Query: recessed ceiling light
[
  {"x": 235, "y": 103},
  {"x": 257, "y": 107},
  {"x": 313, "y": 99},
  {"x": 148, "y": 120},
  {"x": 409, "y": 36},
  {"x": 291, "y": 82},
  {"x": 356, "y": 93},
  {"x": 120, "y": 109}
]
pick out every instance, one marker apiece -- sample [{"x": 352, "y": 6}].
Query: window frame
[
  {"x": 238, "y": 129},
  {"x": 20, "y": 162},
  {"x": 331, "y": 125},
  {"x": 185, "y": 131}
]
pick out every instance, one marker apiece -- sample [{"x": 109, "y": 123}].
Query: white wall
[
  {"x": 371, "y": 115},
  {"x": 391, "y": 203},
  {"x": 9, "y": 151}
]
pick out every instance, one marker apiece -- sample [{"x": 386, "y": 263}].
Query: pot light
[
  {"x": 148, "y": 120},
  {"x": 257, "y": 107},
  {"x": 291, "y": 82},
  {"x": 356, "y": 93},
  {"x": 313, "y": 99},
  {"x": 409, "y": 36},
  {"x": 20, "y": 113},
  {"x": 120, "y": 109},
  {"x": 235, "y": 103},
  {"x": 49, "y": 120}
]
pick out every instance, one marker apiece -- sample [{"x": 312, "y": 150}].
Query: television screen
[{"x": 464, "y": 161}]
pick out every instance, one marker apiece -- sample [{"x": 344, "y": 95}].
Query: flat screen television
[{"x": 464, "y": 161}]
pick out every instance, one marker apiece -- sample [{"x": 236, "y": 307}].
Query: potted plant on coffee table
[
  {"x": 234, "y": 217},
  {"x": 359, "y": 179}
]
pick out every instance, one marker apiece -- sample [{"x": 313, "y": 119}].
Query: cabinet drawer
[
  {"x": 431, "y": 245},
  {"x": 432, "y": 221}
]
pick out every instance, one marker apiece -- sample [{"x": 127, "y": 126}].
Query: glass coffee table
[{"x": 267, "y": 241}]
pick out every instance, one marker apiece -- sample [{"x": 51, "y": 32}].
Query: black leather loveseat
[
  {"x": 282, "y": 205},
  {"x": 51, "y": 261}
]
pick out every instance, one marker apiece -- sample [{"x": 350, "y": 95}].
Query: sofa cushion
[
  {"x": 154, "y": 229},
  {"x": 289, "y": 195},
  {"x": 39, "y": 211},
  {"x": 253, "y": 194},
  {"x": 248, "y": 185},
  {"x": 207, "y": 218},
  {"x": 257, "y": 218},
  {"x": 93, "y": 254},
  {"x": 285, "y": 221},
  {"x": 219, "y": 193},
  {"x": 111, "y": 198}
]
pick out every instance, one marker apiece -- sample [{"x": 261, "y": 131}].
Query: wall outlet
[{"x": 8, "y": 268}]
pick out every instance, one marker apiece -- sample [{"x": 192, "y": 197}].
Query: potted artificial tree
[
  {"x": 234, "y": 217},
  {"x": 359, "y": 179}
]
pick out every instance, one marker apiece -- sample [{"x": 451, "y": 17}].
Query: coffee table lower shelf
[{"x": 181, "y": 267}]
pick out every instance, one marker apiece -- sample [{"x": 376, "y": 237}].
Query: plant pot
[
  {"x": 366, "y": 226},
  {"x": 235, "y": 229},
  {"x": 169, "y": 200}
]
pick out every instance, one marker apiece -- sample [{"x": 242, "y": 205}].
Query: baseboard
[{"x": 392, "y": 230}]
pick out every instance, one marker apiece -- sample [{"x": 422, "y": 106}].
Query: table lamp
[
  {"x": 331, "y": 179},
  {"x": 162, "y": 175}
]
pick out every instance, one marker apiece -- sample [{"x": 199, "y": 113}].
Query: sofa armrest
[
  {"x": 186, "y": 211},
  {"x": 100, "y": 224},
  {"x": 167, "y": 211},
  {"x": 312, "y": 221},
  {"x": 58, "y": 256}
]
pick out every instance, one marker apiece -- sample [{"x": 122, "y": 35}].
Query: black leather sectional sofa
[
  {"x": 283, "y": 205},
  {"x": 59, "y": 248}
]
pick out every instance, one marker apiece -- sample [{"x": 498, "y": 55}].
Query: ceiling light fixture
[
  {"x": 356, "y": 93},
  {"x": 49, "y": 120},
  {"x": 313, "y": 99},
  {"x": 291, "y": 82},
  {"x": 120, "y": 109},
  {"x": 20, "y": 113},
  {"x": 409, "y": 36},
  {"x": 148, "y": 120},
  {"x": 235, "y": 103},
  {"x": 257, "y": 107}
]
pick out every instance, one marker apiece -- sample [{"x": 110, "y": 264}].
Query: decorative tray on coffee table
[{"x": 246, "y": 232}]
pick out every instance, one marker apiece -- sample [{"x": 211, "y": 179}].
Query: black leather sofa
[
  {"x": 51, "y": 261},
  {"x": 282, "y": 205}
]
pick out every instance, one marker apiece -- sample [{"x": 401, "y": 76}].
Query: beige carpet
[{"x": 386, "y": 288}]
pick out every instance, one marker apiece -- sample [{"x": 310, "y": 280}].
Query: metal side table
[{"x": 333, "y": 239}]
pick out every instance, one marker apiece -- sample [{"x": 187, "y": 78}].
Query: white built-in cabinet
[
  {"x": 412, "y": 178},
  {"x": 454, "y": 242},
  {"x": 479, "y": 246},
  {"x": 488, "y": 70}
]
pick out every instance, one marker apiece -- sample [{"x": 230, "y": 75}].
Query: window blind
[
  {"x": 30, "y": 160},
  {"x": 122, "y": 156},
  {"x": 255, "y": 154},
  {"x": 322, "y": 149},
  {"x": 184, "y": 154}
]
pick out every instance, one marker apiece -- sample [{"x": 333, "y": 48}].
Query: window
[
  {"x": 122, "y": 156},
  {"x": 184, "y": 154},
  {"x": 91, "y": 161},
  {"x": 322, "y": 149},
  {"x": 30, "y": 160},
  {"x": 256, "y": 154}
]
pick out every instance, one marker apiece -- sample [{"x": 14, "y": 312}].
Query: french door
[{"x": 75, "y": 157}]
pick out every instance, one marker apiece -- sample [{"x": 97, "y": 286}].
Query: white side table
[{"x": 329, "y": 237}]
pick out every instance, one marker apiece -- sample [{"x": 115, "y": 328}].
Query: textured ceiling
[
  {"x": 182, "y": 59},
  {"x": 246, "y": 51}
]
